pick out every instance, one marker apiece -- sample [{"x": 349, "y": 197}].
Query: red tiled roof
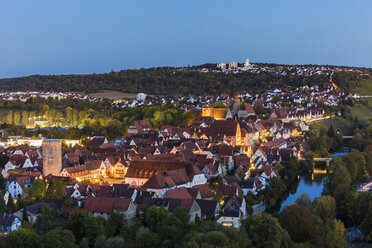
[{"x": 106, "y": 204}]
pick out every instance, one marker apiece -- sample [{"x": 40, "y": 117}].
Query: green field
[
  {"x": 338, "y": 122},
  {"x": 364, "y": 87},
  {"x": 361, "y": 111}
]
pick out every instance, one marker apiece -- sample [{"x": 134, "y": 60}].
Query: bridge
[
  {"x": 347, "y": 137},
  {"x": 327, "y": 160}
]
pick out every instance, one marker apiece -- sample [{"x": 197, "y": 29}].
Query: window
[{"x": 228, "y": 224}]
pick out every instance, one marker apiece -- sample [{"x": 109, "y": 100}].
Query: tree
[
  {"x": 366, "y": 226},
  {"x": 274, "y": 191},
  {"x": 149, "y": 240},
  {"x": 218, "y": 105},
  {"x": 308, "y": 163},
  {"x": 81, "y": 160},
  {"x": 25, "y": 119},
  {"x": 115, "y": 242},
  {"x": 358, "y": 142},
  {"x": 17, "y": 118},
  {"x": 3, "y": 160},
  {"x": 83, "y": 225},
  {"x": 115, "y": 221},
  {"x": 2, "y": 182},
  {"x": 337, "y": 175},
  {"x": 172, "y": 230},
  {"x": 55, "y": 190},
  {"x": 128, "y": 231},
  {"x": 10, "y": 208},
  {"x": 25, "y": 214},
  {"x": 263, "y": 230},
  {"x": 46, "y": 221},
  {"x": 38, "y": 189},
  {"x": 22, "y": 238},
  {"x": 182, "y": 214},
  {"x": 84, "y": 243},
  {"x": 325, "y": 207},
  {"x": 154, "y": 217},
  {"x": 76, "y": 224},
  {"x": 336, "y": 235},
  {"x": 69, "y": 114},
  {"x": 2, "y": 204},
  {"x": 304, "y": 200},
  {"x": 75, "y": 117},
  {"x": 210, "y": 239},
  {"x": 92, "y": 229},
  {"x": 300, "y": 223},
  {"x": 58, "y": 238},
  {"x": 100, "y": 242},
  {"x": 32, "y": 117},
  {"x": 9, "y": 117}
]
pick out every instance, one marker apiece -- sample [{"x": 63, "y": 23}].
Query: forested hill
[{"x": 168, "y": 80}]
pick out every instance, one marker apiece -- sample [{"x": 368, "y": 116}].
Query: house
[
  {"x": 97, "y": 141},
  {"x": 183, "y": 193},
  {"x": 16, "y": 186},
  {"x": 119, "y": 170},
  {"x": 184, "y": 177},
  {"x": 205, "y": 192},
  {"x": 237, "y": 202},
  {"x": 118, "y": 191},
  {"x": 210, "y": 209},
  {"x": 34, "y": 210},
  {"x": 102, "y": 206},
  {"x": 247, "y": 186},
  {"x": 9, "y": 223},
  {"x": 210, "y": 171},
  {"x": 18, "y": 161},
  {"x": 280, "y": 114},
  {"x": 92, "y": 169},
  {"x": 140, "y": 127},
  {"x": 231, "y": 217},
  {"x": 77, "y": 192},
  {"x": 141, "y": 170},
  {"x": 225, "y": 130},
  {"x": 190, "y": 204},
  {"x": 246, "y": 112}
]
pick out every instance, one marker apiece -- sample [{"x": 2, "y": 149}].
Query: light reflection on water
[{"x": 306, "y": 185}]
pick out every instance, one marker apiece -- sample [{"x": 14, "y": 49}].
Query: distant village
[{"x": 282, "y": 70}]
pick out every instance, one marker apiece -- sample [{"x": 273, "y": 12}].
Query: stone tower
[{"x": 52, "y": 157}]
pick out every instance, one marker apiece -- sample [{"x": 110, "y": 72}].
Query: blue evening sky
[{"x": 86, "y": 36}]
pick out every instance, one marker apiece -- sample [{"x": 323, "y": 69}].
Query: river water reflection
[
  {"x": 306, "y": 184},
  {"x": 311, "y": 185}
]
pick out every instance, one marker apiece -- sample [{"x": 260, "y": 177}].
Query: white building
[
  {"x": 141, "y": 96},
  {"x": 247, "y": 64},
  {"x": 221, "y": 66}
]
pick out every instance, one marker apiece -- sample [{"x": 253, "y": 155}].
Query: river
[{"x": 311, "y": 186}]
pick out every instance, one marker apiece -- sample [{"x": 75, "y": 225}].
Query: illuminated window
[{"x": 228, "y": 224}]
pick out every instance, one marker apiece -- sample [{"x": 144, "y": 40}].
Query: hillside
[{"x": 160, "y": 81}]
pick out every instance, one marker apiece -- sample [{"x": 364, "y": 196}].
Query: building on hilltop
[{"x": 233, "y": 65}]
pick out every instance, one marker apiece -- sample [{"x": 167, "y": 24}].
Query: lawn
[{"x": 365, "y": 88}]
